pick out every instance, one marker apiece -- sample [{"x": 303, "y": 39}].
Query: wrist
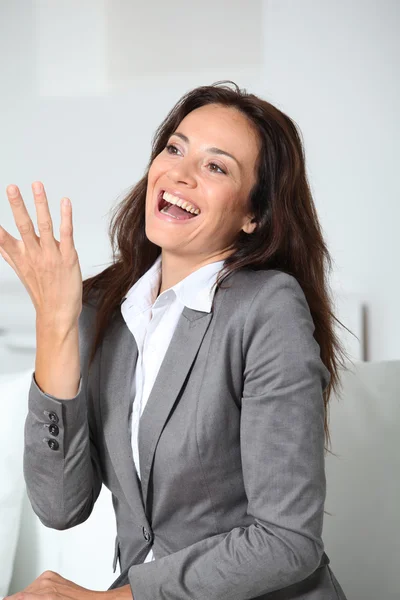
[{"x": 121, "y": 593}]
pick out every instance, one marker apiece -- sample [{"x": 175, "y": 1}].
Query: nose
[{"x": 182, "y": 172}]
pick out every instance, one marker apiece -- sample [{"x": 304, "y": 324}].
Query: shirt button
[{"x": 146, "y": 534}]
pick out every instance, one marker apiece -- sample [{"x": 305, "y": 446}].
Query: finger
[
  {"x": 53, "y": 590},
  {"x": 22, "y": 219},
  {"x": 44, "y": 220},
  {"x": 34, "y": 596},
  {"x": 66, "y": 228},
  {"x": 49, "y": 578},
  {"x": 7, "y": 258},
  {"x": 68, "y": 588},
  {"x": 10, "y": 246},
  {"x": 59, "y": 579}
]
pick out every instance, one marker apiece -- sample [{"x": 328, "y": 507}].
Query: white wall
[
  {"x": 84, "y": 86},
  {"x": 82, "y": 93},
  {"x": 333, "y": 66}
]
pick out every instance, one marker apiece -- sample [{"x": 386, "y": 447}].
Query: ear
[{"x": 250, "y": 225}]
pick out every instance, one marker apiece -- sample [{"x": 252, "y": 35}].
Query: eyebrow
[{"x": 212, "y": 150}]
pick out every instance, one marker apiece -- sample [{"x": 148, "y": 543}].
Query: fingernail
[
  {"x": 12, "y": 190},
  {"x": 37, "y": 187}
]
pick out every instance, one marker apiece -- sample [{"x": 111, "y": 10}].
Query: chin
[{"x": 156, "y": 237}]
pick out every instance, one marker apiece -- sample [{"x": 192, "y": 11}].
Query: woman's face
[{"x": 194, "y": 167}]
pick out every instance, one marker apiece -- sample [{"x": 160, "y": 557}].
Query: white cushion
[{"x": 14, "y": 388}]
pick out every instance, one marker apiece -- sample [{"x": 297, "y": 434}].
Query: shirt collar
[{"x": 196, "y": 291}]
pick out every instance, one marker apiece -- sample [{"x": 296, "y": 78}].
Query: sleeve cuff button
[
  {"x": 53, "y": 429},
  {"x": 53, "y": 444}
]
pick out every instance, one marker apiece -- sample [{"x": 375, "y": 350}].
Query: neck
[{"x": 175, "y": 268}]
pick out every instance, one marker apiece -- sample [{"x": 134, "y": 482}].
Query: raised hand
[{"x": 49, "y": 269}]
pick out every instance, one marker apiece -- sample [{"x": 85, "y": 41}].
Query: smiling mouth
[
  {"x": 173, "y": 209},
  {"x": 161, "y": 203}
]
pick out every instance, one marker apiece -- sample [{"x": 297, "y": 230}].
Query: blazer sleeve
[
  {"x": 282, "y": 451},
  {"x": 63, "y": 479}
]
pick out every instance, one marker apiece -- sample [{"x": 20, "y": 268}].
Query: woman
[{"x": 199, "y": 391}]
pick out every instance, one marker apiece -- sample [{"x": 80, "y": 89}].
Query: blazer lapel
[
  {"x": 118, "y": 360},
  {"x": 177, "y": 362}
]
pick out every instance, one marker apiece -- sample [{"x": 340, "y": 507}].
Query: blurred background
[{"x": 84, "y": 84}]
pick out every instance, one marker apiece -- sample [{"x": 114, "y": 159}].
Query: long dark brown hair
[{"x": 288, "y": 235}]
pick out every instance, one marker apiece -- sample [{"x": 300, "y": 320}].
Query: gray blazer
[{"x": 231, "y": 446}]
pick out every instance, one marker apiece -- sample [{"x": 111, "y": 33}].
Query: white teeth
[{"x": 181, "y": 203}]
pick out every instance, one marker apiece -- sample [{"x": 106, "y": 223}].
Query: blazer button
[
  {"x": 54, "y": 430},
  {"x": 146, "y": 535},
  {"x": 53, "y": 417},
  {"x": 53, "y": 444}
]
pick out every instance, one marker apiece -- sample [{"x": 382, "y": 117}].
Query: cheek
[
  {"x": 156, "y": 169},
  {"x": 226, "y": 205},
  {"x": 152, "y": 172}
]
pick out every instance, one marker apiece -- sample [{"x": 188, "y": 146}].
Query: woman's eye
[
  {"x": 169, "y": 146},
  {"x": 220, "y": 170},
  {"x": 170, "y": 149}
]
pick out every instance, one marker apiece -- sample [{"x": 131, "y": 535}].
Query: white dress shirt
[{"x": 152, "y": 322}]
